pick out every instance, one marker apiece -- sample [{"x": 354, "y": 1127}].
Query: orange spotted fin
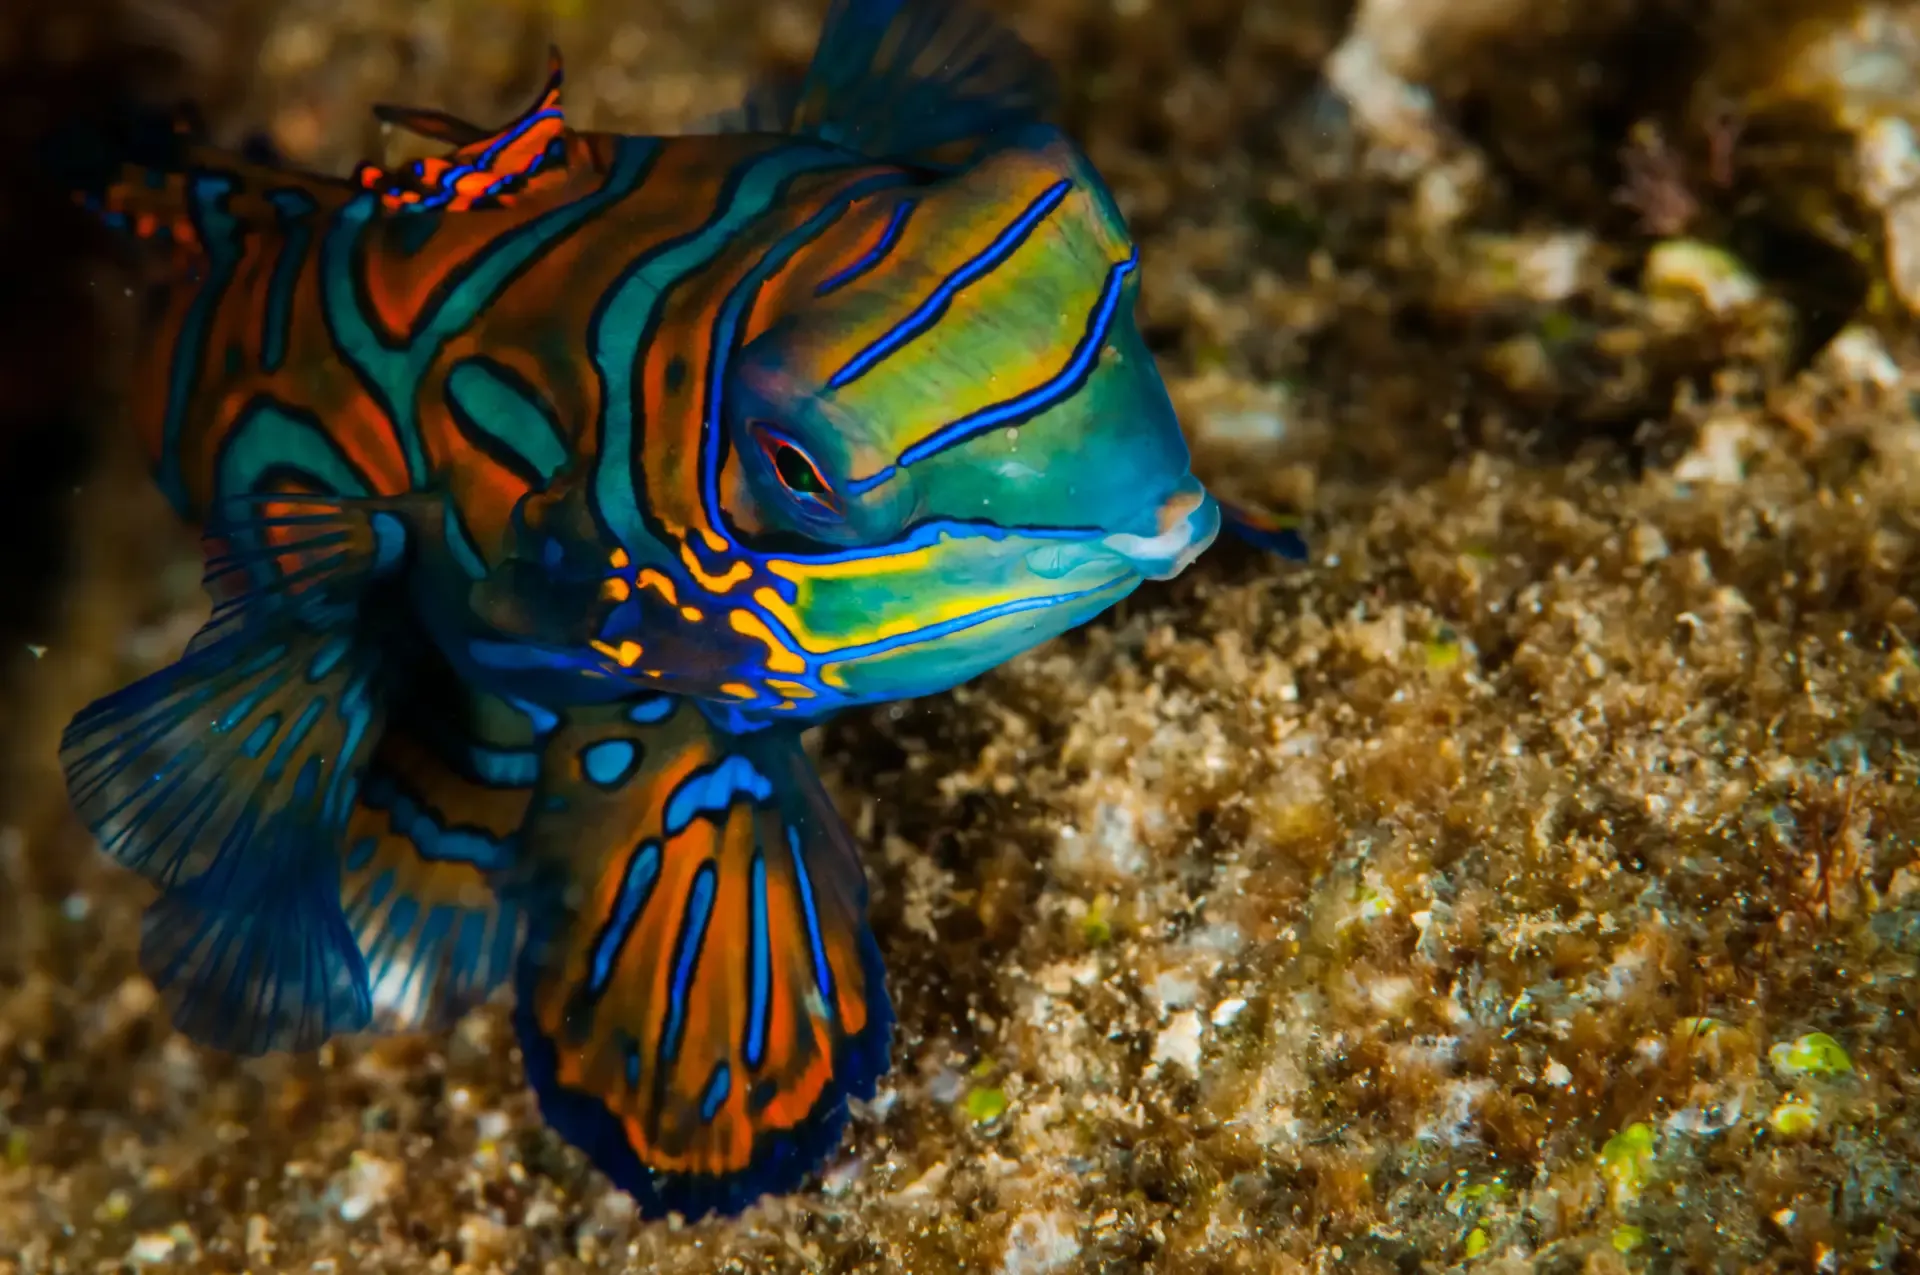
[
  {"x": 701, "y": 994},
  {"x": 486, "y": 169}
]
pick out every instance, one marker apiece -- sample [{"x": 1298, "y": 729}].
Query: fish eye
[{"x": 798, "y": 473}]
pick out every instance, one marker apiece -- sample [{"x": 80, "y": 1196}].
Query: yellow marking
[
  {"x": 779, "y": 658},
  {"x": 715, "y": 541},
  {"x": 798, "y": 690},
  {"x": 739, "y": 690},
  {"x": 880, "y": 564},
  {"x": 955, "y": 608},
  {"x": 627, "y": 654},
  {"x": 714, "y": 584},
  {"x": 651, "y": 579},
  {"x": 692, "y": 615},
  {"x": 619, "y": 559},
  {"x": 615, "y": 589}
]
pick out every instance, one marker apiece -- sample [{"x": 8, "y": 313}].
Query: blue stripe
[
  {"x": 609, "y": 762},
  {"x": 822, "y": 976},
  {"x": 256, "y": 742},
  {"x": 624, "y": 325},
  {"x": 518, "y": 655},
  {"x": 643, "y": 873},
  {"x": 327, "y": 657},
  {"x": 241, "y": 711},
  {"x": 929, "y": 311},
  {"x": 686, "y": 957},
  {"x": 759, "y": 965},
  {"x": 446, "y": 187},
  {"x": 295, "y": 209},
  {"x": 432, "y": 839},
  {"x": 712, "y": 792},
  {"x": 1061, "y": 385},
  {"x": 727, "y": 322},
  {"x": 875, "y": 255},
  {"x": 503, "y": 767},
  {"x": 719, "y": 1084}
]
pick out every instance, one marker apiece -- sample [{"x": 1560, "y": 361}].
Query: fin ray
[
  {"x": 227, "y": 779},
  {"x": 927, "y": 82},
  {"x": 486, "y": 169},
  {"x": 705, "y": 993},
  {"x": 428, "y": 841}
]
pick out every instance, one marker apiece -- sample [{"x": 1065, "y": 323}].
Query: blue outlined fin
[
  {"x": 487, "y": 169},
  {"x": 227, "y": 778},
  {"x": 702, "y": 993},
  {"x": 437, "y": 824}
]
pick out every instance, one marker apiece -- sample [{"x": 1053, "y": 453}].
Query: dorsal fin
[
  {"x": 424, "y": 121},
  {"x": 487, "y": 170},
  {"x": 930, "y": 82}
]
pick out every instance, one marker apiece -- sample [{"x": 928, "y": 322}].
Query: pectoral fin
[{"x": 703, "y": 993}]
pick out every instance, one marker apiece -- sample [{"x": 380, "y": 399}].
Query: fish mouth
[{"x": 1184, "y": 525}]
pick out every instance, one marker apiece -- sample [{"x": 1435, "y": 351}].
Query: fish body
[{"x": 550, "y": 488}]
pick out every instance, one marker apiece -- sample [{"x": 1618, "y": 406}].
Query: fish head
[{"x": 944, "y": 453}]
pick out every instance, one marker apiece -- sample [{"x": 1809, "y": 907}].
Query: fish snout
[{"x": 1171, "y": 535}]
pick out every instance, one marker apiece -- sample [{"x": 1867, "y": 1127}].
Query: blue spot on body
[
  {"x": 656, "y": 708},
  {"x": 389, "y": 542},
  {"x": 609, "y": 762},
  {"x": 929, "y": 311},
  {"x": 544, "y": 720}
]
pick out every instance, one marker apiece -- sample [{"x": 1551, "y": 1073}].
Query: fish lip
[{"x": 1187, "y": 523}]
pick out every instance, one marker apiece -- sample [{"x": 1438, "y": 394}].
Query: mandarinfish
[{"x": 550, "y": 489}]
